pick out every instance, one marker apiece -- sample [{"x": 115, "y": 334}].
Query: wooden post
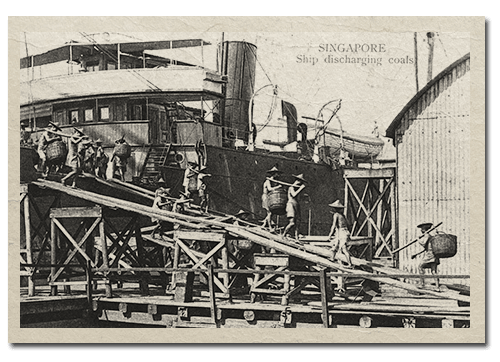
[
  {"x": 29, "y": 250},
  {"x": 395, "y": 242},
  {"x": 346, "y": 200},
  {"x": 177, "y": 254},
  {"x": 211, "y": 293},
  {"x": 53, "y": 256},
  {"x": 88, "y": 274},
  {"x": 144, "y": 285},
  {"x": 379, "y": 213},
  {"x": 67, "y": 287},
  {"x": 225, "y": 264},
  {"x": 184, "y": 286},
  {"x": 370, "y": 199},
  {"x": 324, "y": 297},
  {"x": 105, "y": 260}
]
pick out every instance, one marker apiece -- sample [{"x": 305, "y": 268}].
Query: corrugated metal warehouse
[{"x": 432, "y": 139}]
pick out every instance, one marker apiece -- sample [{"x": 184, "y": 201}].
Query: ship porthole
[{"x": 179, "y": 157}]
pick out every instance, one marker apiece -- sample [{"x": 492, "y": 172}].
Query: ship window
[
  {"x": 89, "y": 115},
  {"x": 137, "y": 112},
  {"x": 60, "y": 117},
  {"x": 104, "y": 113},
  {"x": 73, "y": 116}
]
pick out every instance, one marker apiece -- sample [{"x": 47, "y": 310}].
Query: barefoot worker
[
  {"x": 77, "y": 149},
  {"x": 292, "y": 206},
  {"x": 51, "y": 134},
  {"x": 339, "y": 233},
  {"x": 430, "y": 261},
  {"x": 269, "y": 186}
]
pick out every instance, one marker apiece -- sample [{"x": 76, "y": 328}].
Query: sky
[{"x": 373, "y": 87}]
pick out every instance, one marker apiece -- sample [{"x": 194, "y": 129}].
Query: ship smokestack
[
  {"x": 238, "y": 64},
  {"x": 290, "y": 112}
]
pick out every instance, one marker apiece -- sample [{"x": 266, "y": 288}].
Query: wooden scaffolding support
[
  {"x": 372, "y": 212},
  {"x": 255, "y": 234}
]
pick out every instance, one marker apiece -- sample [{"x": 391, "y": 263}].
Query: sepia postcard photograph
[{"x": 198, "y": 174}]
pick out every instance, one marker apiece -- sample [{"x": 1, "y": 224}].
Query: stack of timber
[{"x": 205, "y": 222}]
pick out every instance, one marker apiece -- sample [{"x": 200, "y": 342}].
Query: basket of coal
[
  {"x": 444, "y": 245},
  {"x": 56, "y": 151},
  {"x": 123, "y": 150},
  {"x": 276, "y": 201}
]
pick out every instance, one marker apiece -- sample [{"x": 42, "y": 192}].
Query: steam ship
[{"x": 173, "y": 112}]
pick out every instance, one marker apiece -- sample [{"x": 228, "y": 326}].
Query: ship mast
[{"x": 430, "y": 41}]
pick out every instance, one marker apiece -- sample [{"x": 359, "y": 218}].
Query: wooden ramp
[{"x": 255, "y": 234}]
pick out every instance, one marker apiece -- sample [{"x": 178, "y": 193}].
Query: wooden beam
[
  {"x": 324, "y": 297},
  {"x": 211, "y": 291},
  {"x": 210, "y": 254},
  {"x": 215, "y": 236},
  {"x": 29, "y": 251},
  {"x": 119, "y": 237},
  {"x": 369, "y": 173},
  {"x": 76, "y": 212},
  {"x": 53, "y": 256}
]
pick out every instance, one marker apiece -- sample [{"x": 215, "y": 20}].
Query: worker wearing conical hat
[
  {"x": 339, "y": 233},
  {"x": 162, "y": 201},
  {"x": 120, "y": 161},
  {"x": 429, "y": 261},
  {"x": 179, "y": 204},
  {"x": 101, "y": 160},
  {"x": 293, "y": 206},
  {"x": 240, "y": 215},
  {"x": 202, "y": 188},
  {"x": 51, "y": 134},
  {"x": 77, "y": 147},
  {"x": 269, "y": 186},
  {"x": 190, "y": 177}
]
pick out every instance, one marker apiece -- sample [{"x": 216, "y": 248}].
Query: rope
[{"x": 150, "y": 84}]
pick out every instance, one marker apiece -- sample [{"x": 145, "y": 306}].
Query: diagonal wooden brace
[
  {"x": 77, "y": 246},
  {"x": 368, "y": 218}
]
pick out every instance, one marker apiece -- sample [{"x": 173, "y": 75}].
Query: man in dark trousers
[{"x": 101, "y": 160}]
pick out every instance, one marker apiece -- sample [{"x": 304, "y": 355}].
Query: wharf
[
  {"x": 102, "y": 265},
  {"x": 127, "y": 306}
]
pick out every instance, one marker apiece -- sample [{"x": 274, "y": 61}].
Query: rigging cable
[
  {"x": 150, "y": 84},
  {"x": 32, "y": 108}
]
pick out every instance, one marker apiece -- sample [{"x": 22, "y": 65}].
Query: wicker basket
[
  {"x": 123, "y": 150},
  {"x": 56, "y": 151},
  {"x": 444, "y": 245},
  {"x": 276, "y": 200},
  {"x": 193, "y": 184}
]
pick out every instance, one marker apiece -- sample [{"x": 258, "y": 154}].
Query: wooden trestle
[{"x": 201, "y": 271}]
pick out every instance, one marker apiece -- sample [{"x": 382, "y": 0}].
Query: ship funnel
[
  {"x": 238, "y": 64},
  {"x": 290, "y": 112}
]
